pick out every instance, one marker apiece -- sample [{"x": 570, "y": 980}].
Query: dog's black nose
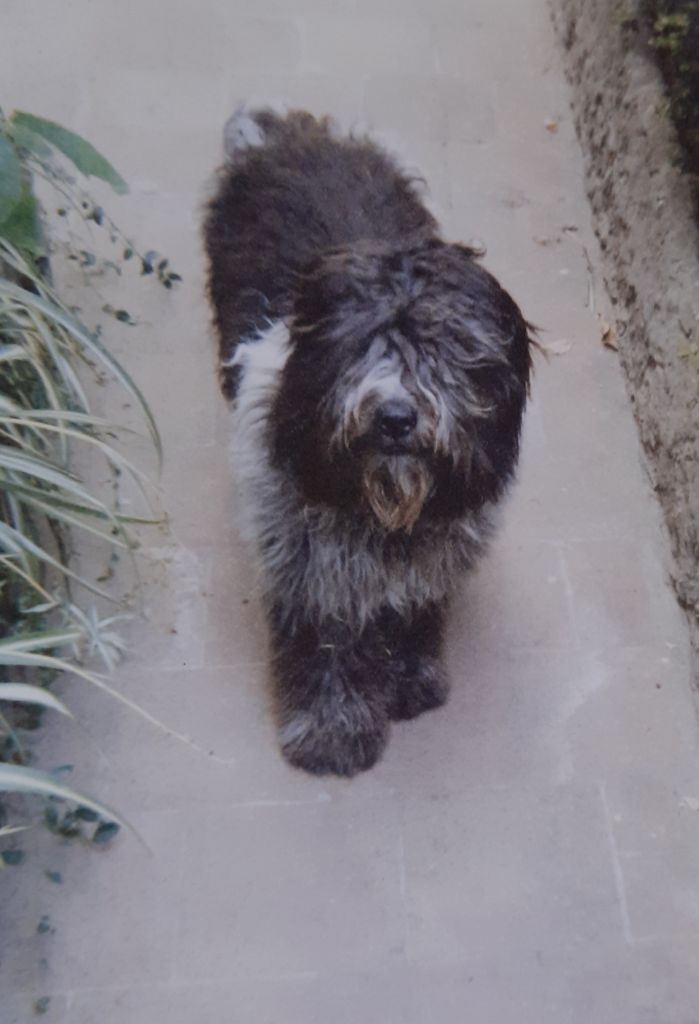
[{"x": 396, "y": 419}]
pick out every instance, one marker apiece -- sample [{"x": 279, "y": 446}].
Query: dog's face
[{"x": 405, "y": 387}]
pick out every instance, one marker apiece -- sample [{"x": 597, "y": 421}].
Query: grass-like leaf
[
  {"x": 18, "y": 779},
  {"x": 88, "y": 343},
  {"x": 33, "y": 659},
  {"x": 28, "y": 694},
  {"x": 8, "y": 830},
  {"x": 43, "y": 640},
  {"x": 19, "y": 542}
]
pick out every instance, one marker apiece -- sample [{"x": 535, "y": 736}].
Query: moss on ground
[{"x": 673, "y": 33}]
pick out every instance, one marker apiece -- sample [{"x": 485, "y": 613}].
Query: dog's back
[{"x": 290, "y": 190}]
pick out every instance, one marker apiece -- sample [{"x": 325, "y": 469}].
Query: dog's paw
[
  {"x": 421, "y": 687},
  {"x": 335, "y": 738}
]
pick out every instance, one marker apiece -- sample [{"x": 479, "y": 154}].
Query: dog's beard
[{"x": 396, "y": 488}]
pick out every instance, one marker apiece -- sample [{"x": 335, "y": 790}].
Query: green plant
[
  {"x": 47, "y": 429},
  {"x": 31, "y": 149},
  {"x": 626, "y": 16},
  {"x": 672, "y": 30}
]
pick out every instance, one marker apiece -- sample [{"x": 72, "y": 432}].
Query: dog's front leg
[
  {"x": 332, "y": 696},
  {"x": 420, "y": 682}
]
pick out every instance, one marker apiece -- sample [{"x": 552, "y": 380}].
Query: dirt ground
[{"x": 644, "y": 215}]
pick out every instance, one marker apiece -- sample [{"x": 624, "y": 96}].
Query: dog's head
[{"x": 404, "y": 390}]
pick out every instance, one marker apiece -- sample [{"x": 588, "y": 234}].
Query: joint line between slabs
[{"x": 616, "y": 867}]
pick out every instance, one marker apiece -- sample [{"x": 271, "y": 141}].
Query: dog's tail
[
  {"x": 241, "y": 132},
  {"x": 249, "y": 129}
]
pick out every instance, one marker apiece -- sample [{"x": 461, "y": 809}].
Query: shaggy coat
[{"x": 378, "y": 377}]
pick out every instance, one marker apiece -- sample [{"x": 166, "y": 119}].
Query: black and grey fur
[{"x": 378, "y": 377}]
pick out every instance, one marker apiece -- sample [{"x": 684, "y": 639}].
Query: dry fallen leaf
[
  {"x": 558, "y": 348},
  {"x": 551, "y": 126},
  {"x": 608, "y": 336}
]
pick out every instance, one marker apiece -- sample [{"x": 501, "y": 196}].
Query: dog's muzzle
[
  {"x": 394, "y": 425},
  {"x": 393, "y": 437}
]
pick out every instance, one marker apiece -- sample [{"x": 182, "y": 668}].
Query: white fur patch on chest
[{"x": 261, "y": 359}]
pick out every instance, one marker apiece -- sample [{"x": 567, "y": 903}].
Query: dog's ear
[{"x": 490, "y": 317}]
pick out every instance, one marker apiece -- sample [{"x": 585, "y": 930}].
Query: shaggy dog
[{"x": 378, "y": 377}]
